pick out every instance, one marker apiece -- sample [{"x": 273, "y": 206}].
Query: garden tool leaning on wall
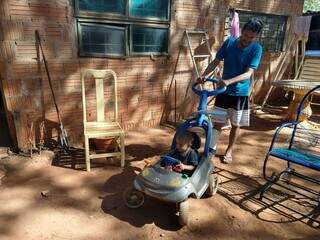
[{"x": 63, "y": 138}]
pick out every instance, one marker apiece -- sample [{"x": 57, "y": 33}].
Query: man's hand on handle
[{"x": 222, "y": 83}]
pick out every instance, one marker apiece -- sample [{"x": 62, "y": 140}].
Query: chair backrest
[
  {"x": 306, "y": 134},
  {"x": 310, "y": 70},
  {"x": 99, "y": 77},
  {"x": 306, "y": 139}
]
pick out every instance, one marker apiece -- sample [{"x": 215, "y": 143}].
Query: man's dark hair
[{"x": 253, "y": 25}]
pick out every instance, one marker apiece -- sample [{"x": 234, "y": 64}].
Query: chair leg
[
  {"x": 87, "y": 153},
  {"x": 123, "y": 155}
]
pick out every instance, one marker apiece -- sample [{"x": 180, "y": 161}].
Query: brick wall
[{"x": 143, "y": 82}]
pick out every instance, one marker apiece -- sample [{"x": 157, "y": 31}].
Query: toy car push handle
[
  {"x": 169, "y": 161},
  {"x": 208, "y": 93}
]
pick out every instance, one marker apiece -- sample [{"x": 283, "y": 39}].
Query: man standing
[{"x": 241, "y": 58}]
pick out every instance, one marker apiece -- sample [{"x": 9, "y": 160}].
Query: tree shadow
[
  {"x": 70, "y": 159},
  {"x": 74, "y": 158},
  {"x": 141, "y": 151},
  {"x": 154, "y": 211},
  {"x": 264, "y": 123}
]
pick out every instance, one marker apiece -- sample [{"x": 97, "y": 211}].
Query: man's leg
[
  {"x": 218, "y": 118},
  {"x": 234, "y": 133},
  {"x": 240, "y": 116}
]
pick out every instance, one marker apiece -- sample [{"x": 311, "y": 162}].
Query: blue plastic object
[
  {"x": 176, "y": 186},
  {"x": 202, "y": 118},
  {"x": 169, "y": 161},
  {"x": 204, "y": 94},
  {"x": 209, "y": 93},
  {"x": 293, "y": 155}
]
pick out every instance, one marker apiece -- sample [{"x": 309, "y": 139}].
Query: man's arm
[
  {"x": 219, "y": 56},
  {"x": 211, "y": 67},
  {"x": 246, "y": 75},
  {"x": 254, "y": 63}
]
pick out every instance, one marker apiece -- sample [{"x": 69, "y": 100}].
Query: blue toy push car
[{"x": 171, "y": 186}]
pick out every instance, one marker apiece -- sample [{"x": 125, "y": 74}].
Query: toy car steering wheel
[
  {"x": 209, "y": 92},
  {"x": 169, "y": 161}
]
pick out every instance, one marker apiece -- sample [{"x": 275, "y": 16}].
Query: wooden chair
[
  {"x": 100, "y": 127},
  {"x": 306, "y": 79},
  {"x": 310, "y": 71}
]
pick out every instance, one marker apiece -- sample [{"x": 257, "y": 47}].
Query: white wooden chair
[{"x": 101, "y": 127}]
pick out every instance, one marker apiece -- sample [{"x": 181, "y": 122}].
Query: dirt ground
[{"x": 42, "y": 201}]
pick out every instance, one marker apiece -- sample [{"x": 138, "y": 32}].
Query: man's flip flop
[{"x": 227, "y": 159}]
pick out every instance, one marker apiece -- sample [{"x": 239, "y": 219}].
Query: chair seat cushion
[{"x": 295, "y": 156}]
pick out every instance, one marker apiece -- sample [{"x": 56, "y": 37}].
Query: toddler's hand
[
  {"x": 178, "y": 167},
  {"x": 168, "y": 168},
  {"x": 182, "y": 166}
]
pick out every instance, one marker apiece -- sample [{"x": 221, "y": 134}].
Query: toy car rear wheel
[
  {"x": 213, "y": 185},
  {"x": 184, "y": 213},
  {"x": 133, "y": 198}
]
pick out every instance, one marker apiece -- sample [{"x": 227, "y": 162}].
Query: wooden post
[{"x": 296, "y": 64}]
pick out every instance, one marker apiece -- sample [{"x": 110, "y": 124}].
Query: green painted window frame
[
  {"x": 84, "y": 12},
  {"x": 123, "y": 21},
  {"x": 109, "y": 27},
  {"x": 126, "y": 15},
  {"x": 272, "y": 37},
  {"x": 147, "y": 27},
  {"x": 151, "y": 18}
]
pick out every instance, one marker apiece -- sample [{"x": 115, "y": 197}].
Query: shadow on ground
[{"x": 161, "y": 214}]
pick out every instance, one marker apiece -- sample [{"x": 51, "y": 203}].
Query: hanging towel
[
  {"x": 301, "y": 26},
  {"x": 234, "y": 25}
]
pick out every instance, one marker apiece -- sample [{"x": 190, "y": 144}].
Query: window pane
[
  {"x": 149, "y": 40},
  {"x": 102, "y": 6},
  {"x": 157, "y": 9},
  {"x": 102, "y": 40}
]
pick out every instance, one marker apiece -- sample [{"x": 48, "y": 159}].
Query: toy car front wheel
[
  {"x": 213, "y": 185},
  {"x": 133, "y": 198},
  {"x": 184, "y": 213}
]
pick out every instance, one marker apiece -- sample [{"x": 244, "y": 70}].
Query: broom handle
[
  {"x": 48, "y": 75},
  {"x": 63, "y": 135}
]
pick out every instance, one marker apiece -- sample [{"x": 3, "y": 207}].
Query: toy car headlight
[
  {"x": 145, "y": 172},
  {"x": 175, "y": 182}
]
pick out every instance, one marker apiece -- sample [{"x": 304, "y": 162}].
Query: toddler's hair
[{"x": 185, "y": 137}]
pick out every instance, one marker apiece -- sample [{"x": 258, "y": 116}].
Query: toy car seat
[{"x": 196, "y": 142}]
